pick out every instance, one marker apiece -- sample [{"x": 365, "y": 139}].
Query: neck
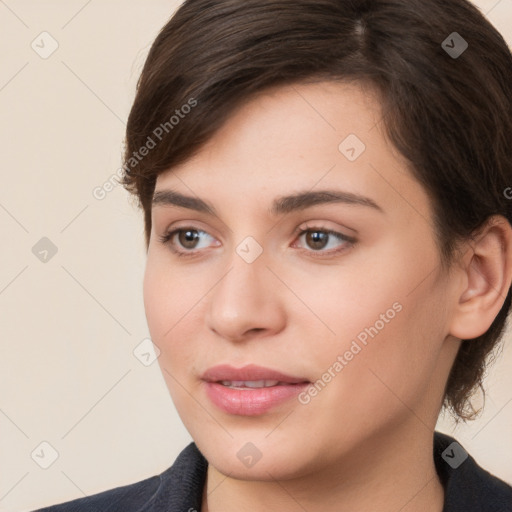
[{"x": 391, "y": 472}]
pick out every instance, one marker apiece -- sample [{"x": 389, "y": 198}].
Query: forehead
[
  {"x": 323, "y": 135},
  {"x": 288, "y": 121}
]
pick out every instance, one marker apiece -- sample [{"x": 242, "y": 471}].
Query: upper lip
[{"x": 249, "y": 372}]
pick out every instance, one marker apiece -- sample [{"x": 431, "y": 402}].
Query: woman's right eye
[{"x": 187, "y": 239}]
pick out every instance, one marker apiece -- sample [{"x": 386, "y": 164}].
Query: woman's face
[{"x": 362, "y": 313}]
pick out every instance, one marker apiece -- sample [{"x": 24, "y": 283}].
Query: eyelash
[{"x": 167, "y": 237}]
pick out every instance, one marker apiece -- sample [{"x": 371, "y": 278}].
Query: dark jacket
[{"x": 468, "y": 487}]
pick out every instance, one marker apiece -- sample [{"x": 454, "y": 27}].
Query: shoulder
[
  {"x": 182, "y": 482},
  {"x": 130, "y": 497},
  {"x": 467, "y": 485}
]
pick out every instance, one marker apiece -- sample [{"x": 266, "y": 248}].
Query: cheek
[
  {"x": 354, "y": 304},
  {"x": 173, "y": 309},
  {"x": 174, "y": 319},
  {"x": 367, "y": 385},
  {"x": 388, "y": 321},
  {"x": 387, "y": 367},
  {"x": 169, "y": 294},
  {"x": 157, "y": 303}
]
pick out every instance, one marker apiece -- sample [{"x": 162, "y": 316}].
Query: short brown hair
[{"x": 449, "y": 114}]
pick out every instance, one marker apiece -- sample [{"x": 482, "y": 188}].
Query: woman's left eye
[{"x": 317, "y": 239}]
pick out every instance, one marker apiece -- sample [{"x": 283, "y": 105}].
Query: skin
[{"x": 365, "y": 441}]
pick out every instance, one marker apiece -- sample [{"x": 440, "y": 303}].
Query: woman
[{"x": 329, "y": 250}]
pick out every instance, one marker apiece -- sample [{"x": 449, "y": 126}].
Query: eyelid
[{"x": 318, "y": 226}]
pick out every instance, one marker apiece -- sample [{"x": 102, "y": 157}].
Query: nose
[{"x": 246, "y": 301}]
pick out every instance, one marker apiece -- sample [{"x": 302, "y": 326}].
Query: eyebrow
[{"x": 281, "y": 205}]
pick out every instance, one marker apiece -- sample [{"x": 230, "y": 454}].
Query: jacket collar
[{"x": 467, "y": 486}]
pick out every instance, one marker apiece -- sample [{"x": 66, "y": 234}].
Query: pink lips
[
  {"x": 250, "y": 401},
  {"x": 249, "y": 372}
]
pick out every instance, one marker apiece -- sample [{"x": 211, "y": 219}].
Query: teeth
[{"x": 250, "y": 383}]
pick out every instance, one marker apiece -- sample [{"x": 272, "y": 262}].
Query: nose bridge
[
  {"x": 244, "y": 282},
  {"x": 244, "y": 298},
  {"x": 247, "y": 257}
]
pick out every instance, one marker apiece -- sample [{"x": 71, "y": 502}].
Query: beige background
[{"x": 68, "y": 375}]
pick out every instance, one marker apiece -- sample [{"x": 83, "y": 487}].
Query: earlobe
[{"x": 487, "y": 267}]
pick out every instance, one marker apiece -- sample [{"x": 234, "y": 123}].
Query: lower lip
[{"x": 251, "y": 401}]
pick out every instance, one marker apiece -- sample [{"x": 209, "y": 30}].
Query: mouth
[
  {"x": 254, "y": 384},
  {"x": 251, "y": 375},
  {"x": 251, "y": 390}
]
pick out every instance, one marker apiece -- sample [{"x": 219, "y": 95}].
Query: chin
[{"x": 252, "y": 457}]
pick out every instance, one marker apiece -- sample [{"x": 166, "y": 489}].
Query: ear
[{"x": 486, "y": 278}]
